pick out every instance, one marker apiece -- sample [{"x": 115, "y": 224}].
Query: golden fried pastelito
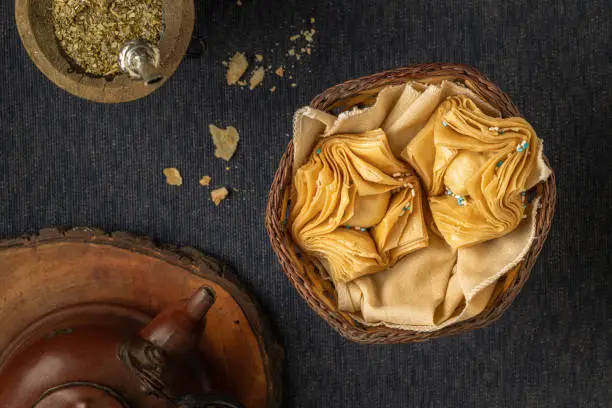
[
  {"x": 355, "y": 205},
  {"x": 476, "y": 169}
]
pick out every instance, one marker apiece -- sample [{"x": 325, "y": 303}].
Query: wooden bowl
[{"x": 35, "y": 26}]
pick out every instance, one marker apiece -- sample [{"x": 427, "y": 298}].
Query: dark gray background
[{"x": 67, "y": 162}]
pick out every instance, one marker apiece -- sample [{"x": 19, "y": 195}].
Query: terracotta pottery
[
  {"x": 76, "y": 328},
  {"x": 35, "y": 26}
]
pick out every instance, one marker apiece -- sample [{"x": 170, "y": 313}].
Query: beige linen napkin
[{"x": 434, "y": 286}]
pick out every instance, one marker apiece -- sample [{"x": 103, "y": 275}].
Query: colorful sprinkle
[
  {"x": 444, "y": 123},
  {"x": 524, "y": 205},
  {"x": 364, "y": 229},
  {"x": 319, "y": 150},
  {"x": 460, "y": 200},
  {"x": 407, "y": 208},
  {"x": 347, "y": 226},
  {"x": 501, "y": 132},
  {"x": 499, "y": 163}
]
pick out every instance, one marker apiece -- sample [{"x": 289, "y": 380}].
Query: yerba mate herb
[{"x": 92, "y": 32}]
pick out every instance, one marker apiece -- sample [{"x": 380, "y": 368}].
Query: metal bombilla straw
[{"x": 140, "y": 60}]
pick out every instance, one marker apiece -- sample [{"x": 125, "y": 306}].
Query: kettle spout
[
  {"x": 200, "y": 303},
  {"x": 177, "y": 329},
  {"x": 165, "y": 347}
]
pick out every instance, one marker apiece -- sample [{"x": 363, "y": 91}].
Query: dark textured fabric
[{"x": 67, "y": 162}]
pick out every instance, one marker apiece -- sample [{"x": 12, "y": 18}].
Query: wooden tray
[{"x": 57, "y": 269}]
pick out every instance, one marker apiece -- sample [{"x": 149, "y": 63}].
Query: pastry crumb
[
  {"x": 218, "y": 195},
  {"x": 259, "y": 57},
  {"x": 239, "y": 3},
  {"x": 237, "y": 67},
  {"x": 173, "y": 176},
  {"x": 225, "y": 140},
  {"x": 256, "y": 78},
  {"x": 293, "y": 85},
  {"x": 241, "y": 83},
  {"x": 205, "y": 181},
  {"x": 273, "y": 89},
  {"x": 309, "y": 34},
  {"x": 228, "y": 168},
  {"x": 295, "y": 37},
  {"x": 280, "y": 71},
  {"x": 312, "y": 20},
  {"x": 291, "y": 51}
]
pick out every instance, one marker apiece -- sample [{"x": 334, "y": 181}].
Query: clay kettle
[{"x": 109, "y": 356}]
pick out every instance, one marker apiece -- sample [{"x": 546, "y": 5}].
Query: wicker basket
[{"x": 303, "y": 271}]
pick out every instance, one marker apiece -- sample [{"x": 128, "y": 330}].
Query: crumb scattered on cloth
[
  {"x": 238, "y": 65},
  {"x": 256, "y": 78},
  {"x": 218, "y": 195},
  {"x": 225, "y": 140},
  {"x": 173, "y": 176},
  {"x": 205, "y": 181},
  {"x": 306, "y": 37}
]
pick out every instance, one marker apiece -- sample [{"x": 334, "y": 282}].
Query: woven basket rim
[{"x": 312, "y": 287}]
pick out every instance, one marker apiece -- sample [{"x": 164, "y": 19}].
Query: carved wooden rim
[{"x": 191, "y": 260}]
